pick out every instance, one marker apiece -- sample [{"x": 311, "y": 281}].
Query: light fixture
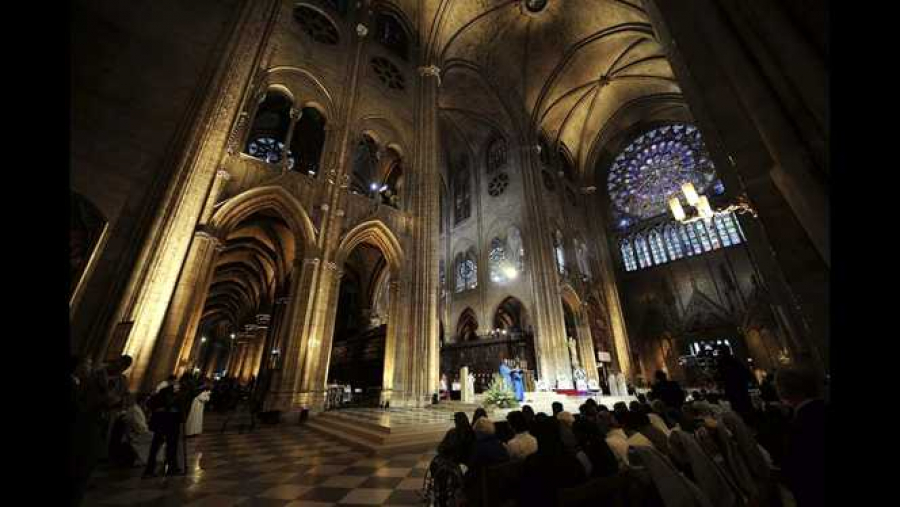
[
  {"x": 373, "y": 186},
  {"x": 510, "y": 272},
  {"x": 690, "y": 193},
  {"x": 232, "y": 336},
  {"x": 702, "y": 208},
  {"x": 677, "y": 210},
  {"x": 203, "y": 339}
]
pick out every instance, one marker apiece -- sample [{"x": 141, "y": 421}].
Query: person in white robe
[
  {"x": 139, "y": 434},
  {"x": 194, "y": 425},
  {"x": 613, "y": 385},
  {"x": 623, "y": 385}
]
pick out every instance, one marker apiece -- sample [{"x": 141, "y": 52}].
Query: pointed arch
[
  {"x": 467, "y": 326},
  {"x": 243, "y": 205},
  {"x": 374, "y": 232}
]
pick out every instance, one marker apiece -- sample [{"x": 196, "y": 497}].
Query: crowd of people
[
  {"x": 702, "y": 448},
  {"x": 114, "y": 426}
]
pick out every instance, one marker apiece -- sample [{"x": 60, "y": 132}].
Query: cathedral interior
[{"x": 380, "y": 192}]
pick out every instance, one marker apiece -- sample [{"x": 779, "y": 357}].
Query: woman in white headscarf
[{"x": 194, "y": 425}]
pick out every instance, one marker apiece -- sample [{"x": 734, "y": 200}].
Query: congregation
[
  {"x": 668, "y": 449},
  {"x": 126, "y": 430}
]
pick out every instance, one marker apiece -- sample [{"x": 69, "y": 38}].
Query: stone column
[
  {"x": 314, "y": 375},
  {"x": 422, "y": 377},
  {"x": 395, "y": 349},
  {"x": 149, "y": 290},
  {"x": 550, "y": 345},
  {"x": 294, "y": 334},
  {"x": 748, "y": 123},
  {"x": 177, "y": 336},
  {"x": 606, "y": 284},
  {"x": 295, "y": 117},
  {"x": 586, "y": 347}
]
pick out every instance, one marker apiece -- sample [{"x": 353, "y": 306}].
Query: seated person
[
  {"x": 458, "y": 442},
  {"x": 488, "y": 450},
  {"x": 603, "y": 461},
  {"x": 566, "y": 420},
  {"x": 523, "y": 444},
  {"x": 549, "y": 469}
]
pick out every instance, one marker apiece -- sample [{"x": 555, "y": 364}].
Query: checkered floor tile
[{"x": 275, "y": 466}]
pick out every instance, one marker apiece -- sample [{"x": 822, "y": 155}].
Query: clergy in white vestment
[
  {"x": 194, "y": 425},
  {"x": 613, "y": 385},
  {"x": 139, "y": 434}
]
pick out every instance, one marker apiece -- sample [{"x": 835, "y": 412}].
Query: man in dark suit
[
  {"x": 668, "y": 391},
  {"x": 804, "y": 460}
]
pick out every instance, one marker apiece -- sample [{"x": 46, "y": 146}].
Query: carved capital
[
  {"x": 311, "y": 261},
  {"x": 431, "y": 71},
  {"x": 223, "y": 175},
  {"x": 362, "y": 30},
  {"x": 208, "y": 235}
]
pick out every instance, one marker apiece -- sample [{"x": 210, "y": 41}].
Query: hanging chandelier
[{"x": 700, "y": 209}]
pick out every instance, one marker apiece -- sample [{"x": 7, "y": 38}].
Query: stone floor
[{"x": 283, "y": 465}]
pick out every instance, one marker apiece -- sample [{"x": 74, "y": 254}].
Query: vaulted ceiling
[
  {"x": 568, "y": 70},
  {"x": 250, "y": 272}
]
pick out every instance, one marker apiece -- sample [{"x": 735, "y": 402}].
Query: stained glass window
[
  {"x": 390, "y": 32},
  {"x": 442, "y": 274},
  {"x": 266, "y": 148},
  {"x": 466, "y": 271},
  {"x": 460, "y": 279},
  {"x": 657, "y": 249},
  {"x": 734, "y": 228},
  {"x": 700, "y": 229},
  {"x": 711, "y": 231},
  {"x": 461, "y": 193},
  {"x": 689, "y": 237},
  {"x": 627, "y": 255},
  {"x": 722, "y": 230},
  {"x": 655, "y": 165},
  {"x": 559, "y": 253},
  {"x": 269, "y": 129},
  {"x": 643, "y": 253},
  {"x": 497, "y": 259},
  {"x": 673, "y": 242},
  {"x": 496, "y": 155}
]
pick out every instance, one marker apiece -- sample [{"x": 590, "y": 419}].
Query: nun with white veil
[{"x": 194, "y": 425}]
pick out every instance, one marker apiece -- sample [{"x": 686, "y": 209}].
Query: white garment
[
  {"x": 139, "y": 435},
  {"x": 658, "y": 423},
  {"x": 638, "y": 440},
  {"x": 618, "y": 444},
  {"x": 623, "y": 385},
  {"x": 521, "y": 446},
  {"x": 613, "y": 385},
  {"x": 194, "y": 424}
]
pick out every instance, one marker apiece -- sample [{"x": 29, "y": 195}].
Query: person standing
[
  {"x": 165, "y": 422},
  {"x": 194, "y": 424},
  {"x": 506, "y": 374},
  {"x": 735, "y": 379},
  {"x": 668, "y": 391},
  {"x": 804, "y": 457},
  {"x": 518, "y": 384}
]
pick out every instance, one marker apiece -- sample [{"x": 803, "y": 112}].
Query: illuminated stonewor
[{"x": 512, "y": 164}]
